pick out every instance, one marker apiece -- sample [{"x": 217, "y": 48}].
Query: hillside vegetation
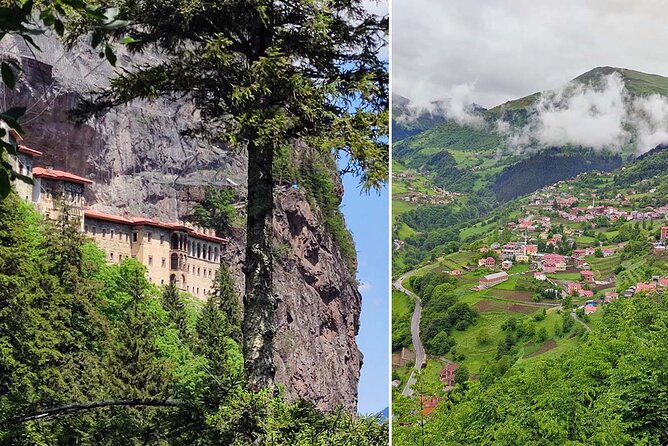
[{"x": 95, "y": 354}]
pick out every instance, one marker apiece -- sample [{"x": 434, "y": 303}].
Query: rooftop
[
  {"x": 53, "y": 174},
  {"x": 29, "y": 151},
  {"x": 141, "y": 221},
  {"x": 496, "y": 275}
]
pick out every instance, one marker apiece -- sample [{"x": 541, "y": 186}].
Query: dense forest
[
  {"x": 548, "y": 167},
  {"x": 611, "y": 390},
  {"x": 95, "y": 354}
]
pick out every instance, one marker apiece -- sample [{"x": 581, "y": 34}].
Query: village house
[
  {"x": 531, "y": 249},
  {"x": 428, "y": 404},
  {"x": 574, "y": 288},
  {"x": 493, "y": 279},
  {"x": 522, "y": 258},
  {"x": 579, "y": 253},
  {"x": 587, "y": 276},
  {"x": 456, "y": 272},
  {"x": 506, "y": 265},
  {"x": 447, "y": 375},
  {"x": 607, "y": 252},
  {"x": 642, "y": 287},
  {"x": 489, "y": 262},
  {"x": 553, "y": 263},
  {"x": 590, "y": 308},
  {"x": 539, "y": 275},
  {"x": 664, "y": 232}
]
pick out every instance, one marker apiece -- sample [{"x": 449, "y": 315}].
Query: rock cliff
[{"x": 143, "y": 165}]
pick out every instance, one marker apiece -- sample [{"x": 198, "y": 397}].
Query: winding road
[{"x": 415, "y": 333}]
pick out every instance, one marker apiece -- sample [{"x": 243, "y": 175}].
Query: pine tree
[
  {"x": 266, "y": 75},
  {"x": 172, "y": 301},
  {"x": 227, "y": 300}
]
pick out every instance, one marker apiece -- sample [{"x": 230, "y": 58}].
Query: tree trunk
[{"x": 259, "y": 325}]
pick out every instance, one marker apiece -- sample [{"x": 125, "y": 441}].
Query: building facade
[
  {"x": 172, "y": 252},
  {"x": 178, "y": 253}
]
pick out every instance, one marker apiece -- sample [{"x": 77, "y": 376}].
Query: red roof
[
  {"x": 29, "y": 151},
  {"x": 140, "y": 221},
  {"x": 15, "y": 135},
  {"x": 587, "y": 273},
  {"x": 59, "y": 175}
]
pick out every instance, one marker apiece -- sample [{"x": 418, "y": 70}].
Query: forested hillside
[
  {"x": 95, "y": 354},
  {"x": 610, "y": 390}
]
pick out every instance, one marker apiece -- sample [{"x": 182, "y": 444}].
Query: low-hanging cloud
[
  {"x": 457, "y": 106},
  {"x": 602, "y": 115}
]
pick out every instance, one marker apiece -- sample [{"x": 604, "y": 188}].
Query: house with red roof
[
  {"x": 447, "y": 375},
  {"x": 489, "y": 262},
  {"x": 589, "y": 309},
  {"x": 587, "y": 276},
  {"x": 428, "y": 404},
  {"x": 642, "y": 287},
  {"x": 557, "y": 261},
  {"x": 574, "y": 288}
]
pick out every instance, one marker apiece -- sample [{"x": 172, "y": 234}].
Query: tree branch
[{"x": 69, "y": 408}]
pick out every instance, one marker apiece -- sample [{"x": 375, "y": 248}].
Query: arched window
[
  {"x": 172, "y": 278},
  {"x": 174, "y": 261},
  {"x": 175, "y": 241},
  {"x": 199, "y": 250}
]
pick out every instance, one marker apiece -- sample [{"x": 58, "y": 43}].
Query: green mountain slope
[{"x": 478, "y": 158}]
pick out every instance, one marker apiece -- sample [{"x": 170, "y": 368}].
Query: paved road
[{"x": 415, "y": 333}]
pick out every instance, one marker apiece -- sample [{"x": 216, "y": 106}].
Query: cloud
[
  {"x": 602, "y": 116},
  {"x": 456, "y": 106},
  {"x": 510, "y": 49}
]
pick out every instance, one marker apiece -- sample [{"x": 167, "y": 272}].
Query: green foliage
[
  {"x": 317, "y": 175},
  {"x": 441, "y": 312},
  {"x": 608, "y": 391},
  {"x": 75, "y": 330},
  {"x": 217, "y": 210}
]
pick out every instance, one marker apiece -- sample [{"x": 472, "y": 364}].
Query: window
[
  {"x": 209, "y": 274},
  {"x": 127, "y": 236},
  {"x": 86, "y": 228},
  {"x": 120, "y": 257},
  {"x": 164, "y": 262},
  {"x": 162, "y": 281},
  {"x": 149, "y": 236},
  {"x": 111, "y": 256},
  {"x": 162, "y": 238},
  {"x": 198, "y": 272},
  {"x": 111, "y": 233},
  {"x": 134, "y": 236},
  {"x": 150, "y": 260},
  {"x": 104, "y": 232}
]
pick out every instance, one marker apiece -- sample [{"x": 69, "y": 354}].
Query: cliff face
[{"x": 141, "y": 164}]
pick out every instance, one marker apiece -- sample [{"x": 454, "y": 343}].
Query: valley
[{"x": 525, "y": 262}]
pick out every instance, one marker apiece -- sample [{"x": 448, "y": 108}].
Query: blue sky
[{"x": 367, "y": 218}]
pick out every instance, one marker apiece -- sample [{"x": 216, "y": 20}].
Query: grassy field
[
  {"x": 402, "y": 305},
  {"x": 405, "y": 231},
  {"x": 478, "y": 230},
  {"x": 401, "y": 206}
]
